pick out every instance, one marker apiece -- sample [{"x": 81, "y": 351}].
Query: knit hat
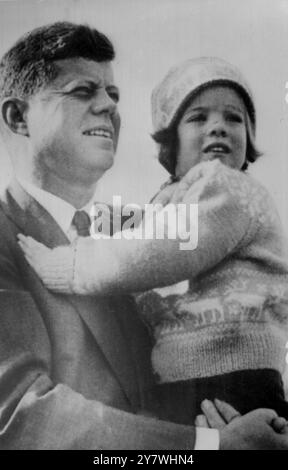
[{"x": 188, "y": 78}]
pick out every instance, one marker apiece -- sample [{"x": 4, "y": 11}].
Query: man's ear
[{"x": 14, "y": 114}]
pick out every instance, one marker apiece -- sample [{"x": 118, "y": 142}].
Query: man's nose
[
  {"x": 217, "y": 127},
  {"x": 103, "y": 103}
]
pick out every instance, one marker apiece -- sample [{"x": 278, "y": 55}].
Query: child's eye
[
  {"x": 233, "y": 117},
  {"x": 201, "y": 117}
]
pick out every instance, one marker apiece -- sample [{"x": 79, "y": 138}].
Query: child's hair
[{"x": 179, "y": 87}]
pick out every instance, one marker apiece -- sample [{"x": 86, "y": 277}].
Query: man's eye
[
  {"x": 114, "y": 96},
  {"x": 83, "y": 91}
]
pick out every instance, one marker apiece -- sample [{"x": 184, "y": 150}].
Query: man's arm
[{"x": 39, "y": 414}]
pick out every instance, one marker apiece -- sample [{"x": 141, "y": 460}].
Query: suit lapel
[
  {"x": 100, "y": 315},
  {"x": 31, "y": 218}
]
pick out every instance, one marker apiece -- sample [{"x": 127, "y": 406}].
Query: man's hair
[{"x": 29, "y": 65}]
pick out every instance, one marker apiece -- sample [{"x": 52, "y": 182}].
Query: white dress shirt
[{"x": 61, "y": 211}]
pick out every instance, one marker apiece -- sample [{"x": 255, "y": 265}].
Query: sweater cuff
[
  {"x": 96, "y": 267},
  {"x": 57, "y": 270},
  {"x": 207, "y": 439}
]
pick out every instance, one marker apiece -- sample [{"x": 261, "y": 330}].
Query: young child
[{"x": 224, "y": 335}]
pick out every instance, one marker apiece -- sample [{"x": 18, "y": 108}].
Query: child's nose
[{"x": 217, "y": 127}]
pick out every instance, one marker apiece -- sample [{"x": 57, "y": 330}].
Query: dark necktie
[{"x": 82, "y": 223}]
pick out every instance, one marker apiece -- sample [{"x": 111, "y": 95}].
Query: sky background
[{"x": 152, "y": 35}]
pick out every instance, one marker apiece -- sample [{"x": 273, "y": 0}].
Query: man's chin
[{"x": 103, "y": 164}]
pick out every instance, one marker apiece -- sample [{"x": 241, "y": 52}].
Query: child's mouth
[{"x": 217, "y": 149}]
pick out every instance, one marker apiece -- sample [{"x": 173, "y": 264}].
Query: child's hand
[
  {"x": 164, "y": 196},
  {"x": 36, "y": 253},
  {"x": 192, "y": 183},
  {"x": 53, "y": 266}
]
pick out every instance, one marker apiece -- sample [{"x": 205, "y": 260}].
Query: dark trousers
[{"x": 245, "y": 390}]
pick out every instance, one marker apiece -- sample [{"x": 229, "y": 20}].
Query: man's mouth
[
  {"x": 99, "y": 132},
  {"x": 217, "y": 148}
]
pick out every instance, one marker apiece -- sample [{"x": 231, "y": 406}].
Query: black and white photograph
[{"x": 144, "y": 226}]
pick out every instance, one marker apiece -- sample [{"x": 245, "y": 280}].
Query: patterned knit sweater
[{"x": 234, "y": 313}]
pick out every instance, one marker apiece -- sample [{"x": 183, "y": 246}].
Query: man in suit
[{"x": 74, "y": 371}]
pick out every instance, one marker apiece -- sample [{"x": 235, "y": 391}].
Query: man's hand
[
  {"x": 218, "y": 414},
  {"x": 253, "y": 431},
  {"x": 259, "y": 429}
]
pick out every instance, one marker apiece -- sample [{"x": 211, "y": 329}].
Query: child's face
[{"x": 212, "y": 126}]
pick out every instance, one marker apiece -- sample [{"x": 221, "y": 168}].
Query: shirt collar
[{"x": 60, "y": 210}]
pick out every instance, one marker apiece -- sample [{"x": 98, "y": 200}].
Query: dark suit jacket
[{"x": 74, "y": 371}]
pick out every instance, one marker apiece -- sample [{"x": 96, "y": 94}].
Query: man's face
[{"x": 73, "y": 123}]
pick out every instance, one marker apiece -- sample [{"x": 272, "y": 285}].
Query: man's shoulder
[
  {"x": 9, "y": 249},
  {"x": 9, "y": 253}
]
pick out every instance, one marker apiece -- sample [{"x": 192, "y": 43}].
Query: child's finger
[
  {"x": 28, "y": 252},
  {"x": 26, "y": 240},
  {"x": 163, "y": 197},
  {"x": 31, "y": 243},
  {"x": 22, "y": 240},
  {"x": 33, "y": 259},
  {"x": 28, "y": 255},
  {"x": 21, "y": 237},
  {"x": 177, "y": 196},
  {"x": 21, "y": 244}
]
